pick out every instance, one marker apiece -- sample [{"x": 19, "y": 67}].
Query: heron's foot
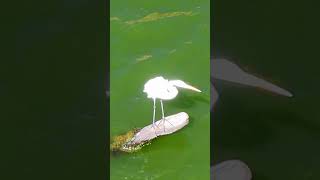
[
  {"x": 164, "y": 127},
  {"x": 154, "y": 126},
  {"x": 165, "y": 120}
]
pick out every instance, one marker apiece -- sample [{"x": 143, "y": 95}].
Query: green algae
[
  {"x": 157, "y": 16},
  {"x": 123, "y": 142}
]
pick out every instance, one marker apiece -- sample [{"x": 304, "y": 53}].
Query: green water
[
  {"x": 173, "y": 42},
  {"x": 277, "y": 137}
]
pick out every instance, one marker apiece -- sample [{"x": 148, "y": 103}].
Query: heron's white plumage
[
  {"x": 163, "y": 89},
  {"x": 160, "y": 88}
]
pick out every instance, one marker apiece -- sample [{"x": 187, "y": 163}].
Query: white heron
[{"x": 163, "y": 89}]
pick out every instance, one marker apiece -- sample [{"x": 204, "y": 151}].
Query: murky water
[{"x": 168, "y": 38}]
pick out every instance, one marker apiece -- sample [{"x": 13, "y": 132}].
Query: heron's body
[
  {"x": 160, "y": 88},
  {"x": 163, "y": 89}
]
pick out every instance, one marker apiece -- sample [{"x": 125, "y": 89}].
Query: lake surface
[{"x": 171, "y": 39}]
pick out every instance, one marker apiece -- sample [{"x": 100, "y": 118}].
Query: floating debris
[
  {"x": 144, "y": 57},
  {"x": 114, "y": 19},
  {"x": 171, "y": 124},
  {"x": 172, "y": 51},
  {"x": 135, "y": 139},
  {"x": 156, "y": 16}
]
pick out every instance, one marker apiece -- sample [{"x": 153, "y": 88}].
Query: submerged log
[
  {"x": 135, "y": 140},
  {"x": 170, "y": 125}
]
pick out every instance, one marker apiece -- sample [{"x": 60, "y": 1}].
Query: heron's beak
[
  {"x": 192, "y": 88},
  {"x": 182, "y": 84}
]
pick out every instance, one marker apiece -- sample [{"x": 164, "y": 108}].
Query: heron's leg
[
  {"x": 154, "y": 116},
  {"x": 164, "y": 127},
  {"x": 154, "y": 111},
  {"x": 162, "y": 110},
  {"x": 163, "y": 118}
]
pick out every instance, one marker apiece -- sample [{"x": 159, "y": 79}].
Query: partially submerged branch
[{"x": 135, "y": 139}]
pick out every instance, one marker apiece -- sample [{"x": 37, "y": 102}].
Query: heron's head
[{"x": 181, "y": 84}]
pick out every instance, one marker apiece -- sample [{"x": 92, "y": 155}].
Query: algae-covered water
[{"x": 171, "y": 39}]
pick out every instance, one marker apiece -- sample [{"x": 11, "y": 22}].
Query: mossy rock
[{"x": 123, "y": 142}]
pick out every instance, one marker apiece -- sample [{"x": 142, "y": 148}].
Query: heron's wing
[
  {"x": 228, "y": 71},
  {"x": 213, "y": 97}
]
